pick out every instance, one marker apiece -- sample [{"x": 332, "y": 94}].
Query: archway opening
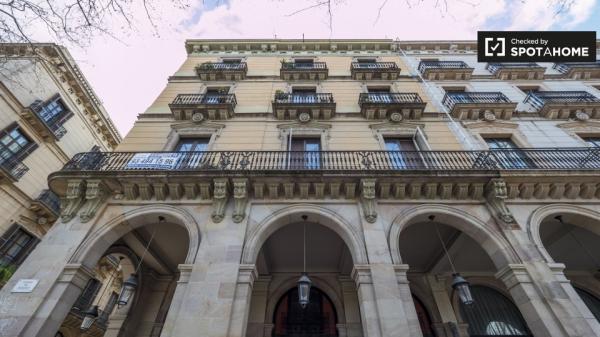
[{"x": 317, "y": 319}]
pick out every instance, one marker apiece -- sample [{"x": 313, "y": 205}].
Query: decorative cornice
[{"x": 490, "y": 124}]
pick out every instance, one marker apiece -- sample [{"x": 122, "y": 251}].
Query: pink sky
[{"x": 127, "y": 75}]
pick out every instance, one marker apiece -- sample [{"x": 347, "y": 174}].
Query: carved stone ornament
[
  {"x": 367, "y": 199},
  {"x": 489, "y": 116},
  {"x": 240, "y": 198},
  {"x": 197, "y": 117},
  {"x": 496, "y": 193},
  {"x": 304, "y": 117},
  {"x": 220, "y": 196},
  {"x": 581, "y": 116},
  {"x": 72, "y": 201},
  {"x": 95, "y": 194},
  {"x": 396, "y": 117}
]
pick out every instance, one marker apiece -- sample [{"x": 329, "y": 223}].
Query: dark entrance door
[{"x": 318, "y": 319}]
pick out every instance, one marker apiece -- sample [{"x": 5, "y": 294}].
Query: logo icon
[{"x": 495, "y": 46}]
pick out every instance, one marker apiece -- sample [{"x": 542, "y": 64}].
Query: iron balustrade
[
  {"x": 55, "y": 124},
  {"x": 337, "y": 161},
  {"x": 425, "y": 65},
  {"x": 539, "y": 98},
  {"x": 452, "y": 98},
  {"x": 389, "y": 98},
  {"x": 13, "y": 168},
  {"x": 495, "y": 67},
  {"x": 303, "y": 98},
  {"x": 222, "y": 66},
  {"x": 198, "y": 99},
  {"x": 303, "y": 66},
  {"x": 565, "y": 67},
  {"x": 51, "y": 200},
  {"x": 374, "y": 66}
]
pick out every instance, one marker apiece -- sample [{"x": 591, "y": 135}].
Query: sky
[{"x": 129, "y": 70}]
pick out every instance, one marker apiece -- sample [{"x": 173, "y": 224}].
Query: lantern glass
[
  {"x": 89, "y": 318},
  {"x": 462, "y": 287},
  {"x": 127, "y": 291},
  {"x": 304, "y": 285}
]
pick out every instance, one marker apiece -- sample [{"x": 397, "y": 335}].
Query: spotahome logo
[{"x": 536, "y": 46}]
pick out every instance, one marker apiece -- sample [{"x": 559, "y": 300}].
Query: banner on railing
[{"x": 160, "y": 161}]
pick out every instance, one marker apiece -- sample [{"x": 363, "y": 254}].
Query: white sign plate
[
  {"x": 25, "y": 286},
  {"x": 160, "y": 161}
]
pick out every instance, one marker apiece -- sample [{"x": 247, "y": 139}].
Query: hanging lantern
[
  {"x": 304, "y": 284},
  {"x": 89, "y": 318},
  {"x": 462, "y": 287},
  {"x": 129, "y": 287}
]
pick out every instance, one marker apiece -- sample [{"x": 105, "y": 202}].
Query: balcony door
[
  {"x": 380, "y": 95},
  {"x": 304, "y": 63},
  {"x": 403, "y": 153},
  {"x": 302, "y": 95},
  {"x": 508, "y": 154},
  {"x": 305, "y": 153},
  {"x": 216, "y": 95},
  {"x": 194, "y": 149}
]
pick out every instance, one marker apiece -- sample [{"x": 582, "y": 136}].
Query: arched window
[
  {"x": 317, "y": 319},
  {"x": 424, "y": 318},
  {"x": 493, "y": 314},
  {"x": 591, "y": 301}
]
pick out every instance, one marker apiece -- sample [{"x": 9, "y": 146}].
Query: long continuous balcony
[
  {"x": 394, "y": 106},
  {"x": 309, "y": 105},
  {"x": 445, "y": 70},
  {"x": 579, "y": 70},
  {"x": 517, "y": 71},
  {"x": 374, "y": 70},
  {"x": 472, "y": 105},
  {"x": 222, "y": 71},
  {"x": 203, "y": 106},
  {"x": 564, "y": 104},
  {"x": 303, "y": 71},
  {"x": 47, "y": 125}
]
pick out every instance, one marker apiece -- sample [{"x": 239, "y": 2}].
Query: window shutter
[{"x": 420, "y": 140}]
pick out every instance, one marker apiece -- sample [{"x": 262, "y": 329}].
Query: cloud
[{"x": 545, "y": 15}]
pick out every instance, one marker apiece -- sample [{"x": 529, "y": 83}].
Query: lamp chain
[
  {"x": 146, "y": 249},
  {"x": 444, "y": 247},
  {"x": 304, "y": 248},
  {"x": 109, "y": 283}
]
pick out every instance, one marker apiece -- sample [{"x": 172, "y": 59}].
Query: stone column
[
  {"x": 258, "y": 307},
  {"x": 241, "y": 302},
  {"x": 366, "y": 298},
  {"x": 407, "y": 301},
  {"x": 353, "y": 326},
  {"x": 268, "y": 330},
  {"x": 185, "y": 271},
  {"x": 449, "y": 326}
]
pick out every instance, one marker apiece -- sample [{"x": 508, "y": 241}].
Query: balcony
[
  {"x": 222, "y": 71},
  {"x": 50, "y": 130},
  {"x": 393, "y": 106},
  {"x": 305, "y": 106},
  {"x": 579, "y": 70},
  {"x": 198, "y": 107},
  {"x": 374, "y": 71},
  {"x": 473, "y": 105},
  {"x": 12, "y": 169},
  {"x": 445, "y": 70},
  {"x": 46, "y": 205},
  {"x": 564, "y": 104},
  {"x": 516, "y": 71},
  {"x": 303, "y": 71}
]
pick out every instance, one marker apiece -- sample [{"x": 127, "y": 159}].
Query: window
[
  {"x": 403, "y": 153},
  {"x": 216, "y": 95},
  {"x": 592, "y": 141},
  {"x": 232, "y": 61},
  {"x": 508, "y": 154},
  {"x": 366, "y": 60},
  {"x": 305, "y": 153},
  {"x": 15, "y": 246},
  {"x": 53, "y": 110},
  {"x": 14, "y": 143},
  {"x": 87, "y": 296},
  {"x": 455, "y": 89},
  {"x": 304, "y": 95},
  {"x": 192, "y": 144},
  {"x": 528, "y": 88}
]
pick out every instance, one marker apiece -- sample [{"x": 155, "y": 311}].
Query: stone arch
[
  {"x": 493, "y": 243},
  {"x": 262, "y": 231},
  {"x": 544, "y": 212},
  {"x": 319, "y": 283},
  {"x": 98, "y": 242}
]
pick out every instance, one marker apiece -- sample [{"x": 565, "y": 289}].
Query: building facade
[
  {"x": 380, "y": 168},
  {"x": 48, "y": 113}
]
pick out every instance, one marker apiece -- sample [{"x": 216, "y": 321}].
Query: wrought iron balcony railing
[
  {"x": 540, "y": 98},
  {"x": 566, "y": 67},
  {"x": 425, "y": 65},
  {"x": 50, "y": 201},
  {"x": 374, "y": 66},
  {"x": 13, "y": 168},
  {"x": 389, "y": 98},
  {"x": 222, "y": 66},
  {"x": 453, "y": 98},
  {"x": 336, "y": 161},
  {"x": 198, "y": 99},
  {"x": 303, "y": 98},
  {"x": 495, "y": 67},
  {"x": 303, "y": 66},
  {"x": 53, "y": 125}
]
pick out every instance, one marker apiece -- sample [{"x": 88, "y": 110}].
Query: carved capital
[
  {"x": 367, "y": 199},
  {"x": 240, "y": 198},
  {"x": 95, "y": 194},
  {"x": 220, "y": 196},
  {"x": 73, "y": 199},
  {"x": 496, "y": 193}
]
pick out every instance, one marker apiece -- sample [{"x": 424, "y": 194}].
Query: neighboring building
[
  {"x": 48, "y": 113},
  {"x": 380, "y": 167}
]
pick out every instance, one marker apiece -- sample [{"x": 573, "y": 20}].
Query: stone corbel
[
  {"x": 73, "y": 200},
  {"x": 240, "y": 198},
  {"x": 496, "y": 193},
  {"x": 220, "y": 196},
  {"x": 367, "y": 199},
  {"x": 95, "y": 194}
]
